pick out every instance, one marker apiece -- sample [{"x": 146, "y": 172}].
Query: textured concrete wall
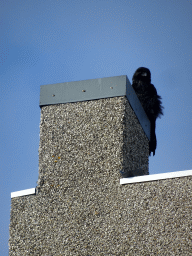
[
  {"x": 105, "y": 218},
  {"x": 80, "y": 207},
  {"x": 92, "y": 137}
]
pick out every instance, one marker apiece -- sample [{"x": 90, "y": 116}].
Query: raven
[{"x": 150, "y": 101}]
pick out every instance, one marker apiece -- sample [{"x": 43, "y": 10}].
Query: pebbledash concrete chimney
[{"x": 91, "y": 133}]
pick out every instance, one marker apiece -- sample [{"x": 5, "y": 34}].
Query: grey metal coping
[{"x": 93, "y": 89}]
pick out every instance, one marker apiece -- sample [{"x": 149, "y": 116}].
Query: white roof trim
[
  {"x": 160, "y": 176},
  {"x": 25, "y": 192}
]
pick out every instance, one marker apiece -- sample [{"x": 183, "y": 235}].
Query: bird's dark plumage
[{"x": 149, "y": 99}]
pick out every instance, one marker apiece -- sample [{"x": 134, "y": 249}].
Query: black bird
[{"x": 150, "y": 101}]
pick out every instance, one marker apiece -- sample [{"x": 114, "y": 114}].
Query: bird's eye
[{"x": 144, "y": 74}]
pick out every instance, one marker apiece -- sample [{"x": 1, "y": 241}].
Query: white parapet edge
[
  {"x": 144, "y": 178},
  {"x": 25, "y": 192},
  {"x": 160, "y": 176}
]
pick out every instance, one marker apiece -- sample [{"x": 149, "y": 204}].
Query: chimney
[
  {"x": 91, "y": 133},
  {"x": 91, "y": 130}
]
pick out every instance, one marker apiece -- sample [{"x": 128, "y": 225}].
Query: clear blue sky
[{"x": 54, "y": 41}]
